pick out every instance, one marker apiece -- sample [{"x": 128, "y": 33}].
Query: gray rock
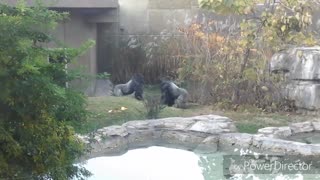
[
  {"x": 301, "y": 66},
  {"x": 301, "y": 63},
  {"x": 113, "y": 131},
  {"x": 231, "y": 141},
  {"x": 172, "y": 123},
  {"x": 276, "y": 132},
  {"x": 301, "y": 127},
  {"x": 305, "y": 132},
  {"x": 140, "y": 138},
  {"x": 109, "y": 147},
  {"x": 184, "y": 140},
  {"x": 316, "y": 126},
  {"x": 306, "y": 94},
  {"x": 204, "y": 134},
  {"x": 305, "y": 64},
  {"x": 279, "y": 146},
  {"x": 212, "y": 128},
  {"x": 283, "y": 132},
  {"x": 208, "y": 145},
  {"x": 103, "y": 88},
  {"x": 315, "y": 150},
  {"x": 267, "y": 130},
  {"x": 280, "y": 62},
  {"x": 192, "y": 133},
  {"x": 212, "y": 117},
  {"x": 137, "y": 125},
  {"x": 213, "y": 124}
]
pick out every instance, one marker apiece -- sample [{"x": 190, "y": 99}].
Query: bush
[
  {"x": 150, "y": 56},
  {"x": 227, "y": 60},
  {"x": 35, "y": 105},
  {"x": 153, "y": 107}
]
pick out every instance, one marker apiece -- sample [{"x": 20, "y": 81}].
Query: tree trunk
[{"x": 236, "y": 90}]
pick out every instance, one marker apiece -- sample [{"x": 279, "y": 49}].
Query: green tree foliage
[
  {"x": 276, "y": 23},
  {"x": 36, "y": 141}
]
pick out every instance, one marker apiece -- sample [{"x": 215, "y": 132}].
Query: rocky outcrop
[
  {"x": 292, "y": 129},
  {"x": 204, "y": 134},
  {"x": 316, "y": 126},
  {"x": 99, "y": 87},
  {"x": 104, "y": 87},
  {"x": 301, "y": 63},
  {"x": 199, "y": 133},
  {"x": 277, "y": 132},
  {"x": 302, "y": 68},
  {"x": 303, "y": 127},
  {"x": 283, "y": 147},
  {"x": 307, "y": 132}
]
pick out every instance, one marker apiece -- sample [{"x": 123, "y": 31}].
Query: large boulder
[
  {"x": 103, "y": 87},
  {"x": 301, "y": 66},
  {"x": 302, "y": 63},
  {"x": 306, "y": 94}
]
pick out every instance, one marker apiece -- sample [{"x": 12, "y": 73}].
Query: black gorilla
[
  {"x": 135, "y": 85},
  {"x": 171, "y": 94}
]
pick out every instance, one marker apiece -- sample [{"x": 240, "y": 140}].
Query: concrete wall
[
  {"x": 71, "y": 3},
  {"x": 107, "y": 46},
  {"x": 88, "y": 20},
  {"x": 82, "y": 25},
  {"x": 154, "y": 16},
  {"x": 74, "y": 32},
  {"x": 144, "y": 25}
]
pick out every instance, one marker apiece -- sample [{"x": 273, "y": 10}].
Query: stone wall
[
  {"x": 201, "y": 134},
  {"x": 198, "y": 133}
]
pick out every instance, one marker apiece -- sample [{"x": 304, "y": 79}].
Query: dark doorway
[{"x": 107, "y": 46}]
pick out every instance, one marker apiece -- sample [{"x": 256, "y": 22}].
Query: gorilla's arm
[{"x": 137, "y": 86}]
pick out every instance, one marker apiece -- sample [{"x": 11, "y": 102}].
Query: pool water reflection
[
  {"x": 160, "y": 163},
  {"x": 153, "y": 163}
]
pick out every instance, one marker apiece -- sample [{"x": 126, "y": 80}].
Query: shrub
[
  {"x": 227, "y": 60},
  {"x": 153, "y": 107},
  {"x": 151, "y": 56},
  {"x": 35, "y": 105}
]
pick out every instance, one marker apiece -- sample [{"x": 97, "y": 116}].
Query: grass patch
[
  {"x": 250, "y": 128},
  {"x": 106, "y": 111},
  {"x": 110, "y": 110},
  {"x": 250, "y": 122}
]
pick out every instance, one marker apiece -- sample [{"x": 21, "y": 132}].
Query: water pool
[
  {"x": 156, "y": 163},
  {"x": 160, "y": 163}
]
